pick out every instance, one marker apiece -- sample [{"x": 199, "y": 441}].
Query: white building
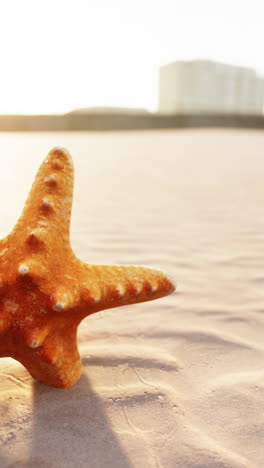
[{"x": 205, "y": 86}]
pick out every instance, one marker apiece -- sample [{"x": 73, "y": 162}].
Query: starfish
[{"x": 45, "y": 290}]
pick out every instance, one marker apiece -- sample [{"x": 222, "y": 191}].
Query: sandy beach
[{"x": 173, "y": 383}]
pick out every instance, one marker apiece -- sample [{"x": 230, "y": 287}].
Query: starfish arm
[
  {"x": 56, "y": 363},
  {"x": 47, "y": 212},
  {"x": 109, "y": 286}
]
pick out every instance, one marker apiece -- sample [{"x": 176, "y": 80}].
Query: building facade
[{"x": 202, "y": 86}]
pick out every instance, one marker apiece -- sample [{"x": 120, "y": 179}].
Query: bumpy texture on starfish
[{"x": 45, "y": 290}]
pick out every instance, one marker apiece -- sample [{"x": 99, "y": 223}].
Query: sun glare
[{"x": 66, "y": 55}]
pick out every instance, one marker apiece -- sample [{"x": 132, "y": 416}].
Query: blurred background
[{"x": 118, "y": 64}]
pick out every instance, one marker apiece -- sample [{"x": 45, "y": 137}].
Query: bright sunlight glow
[{"x": 59, "y": 55}]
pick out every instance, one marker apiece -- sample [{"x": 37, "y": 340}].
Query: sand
[{"x": 174, "y": 383}]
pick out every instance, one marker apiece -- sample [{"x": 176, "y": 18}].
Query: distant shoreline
[{"x": 125, "y": 121}]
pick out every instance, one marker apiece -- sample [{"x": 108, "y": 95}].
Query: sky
[{"x": 59, "y": 55}]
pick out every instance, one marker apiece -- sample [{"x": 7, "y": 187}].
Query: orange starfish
[{"x": 45, "y": 290}]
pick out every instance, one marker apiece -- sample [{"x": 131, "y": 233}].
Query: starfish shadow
[
  {"x": 70, "y": 428},
  {"x": 4, "y": 462}
]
